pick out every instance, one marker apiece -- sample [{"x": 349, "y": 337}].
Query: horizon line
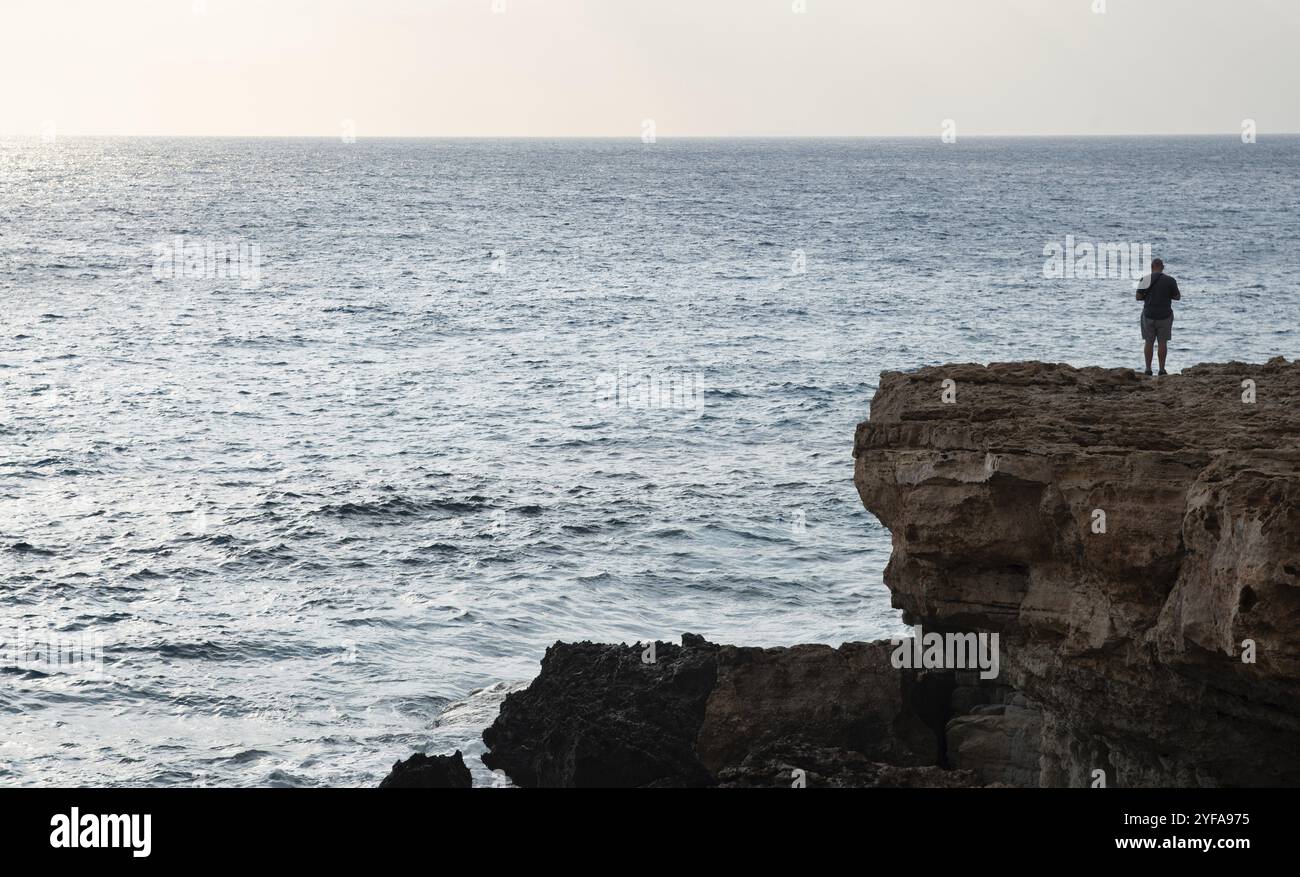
[{"x": 633, "y": 137}]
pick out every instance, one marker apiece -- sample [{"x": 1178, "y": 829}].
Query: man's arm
[{"x": 1177, "y": 294}]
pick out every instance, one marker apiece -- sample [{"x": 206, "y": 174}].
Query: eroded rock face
[
  {"x": 846, "y": 698},
  {"x": 1128, "y": 640},
  {"x": 1000, "y": 744}
]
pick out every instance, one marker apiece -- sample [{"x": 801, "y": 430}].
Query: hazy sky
[{"x": 600, "y": 67}]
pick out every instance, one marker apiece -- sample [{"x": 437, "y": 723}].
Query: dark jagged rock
[
  {"x": 422, "y": 771},
  {"x": 599, "y": 715},
  {"x": 788, "y": 763},
  {"x": 605, "y": 716}
]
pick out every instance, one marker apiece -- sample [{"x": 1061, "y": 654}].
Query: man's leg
[
  {"x": 1164, "y": 350},
  {"x": 1146, "y": 348}
]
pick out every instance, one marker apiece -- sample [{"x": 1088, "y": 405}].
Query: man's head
[{"x": 1157, "y": 266}]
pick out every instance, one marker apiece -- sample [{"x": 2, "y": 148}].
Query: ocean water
[{"x": 325, "y": 513}]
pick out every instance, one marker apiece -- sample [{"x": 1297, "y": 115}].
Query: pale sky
[{"x": 601, "y": 67}]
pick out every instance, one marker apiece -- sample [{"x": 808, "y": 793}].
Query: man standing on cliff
[{"x": 1157, "y": 290}]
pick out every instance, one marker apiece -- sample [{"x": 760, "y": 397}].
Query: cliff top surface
[{"x": 1046, "y": 407}]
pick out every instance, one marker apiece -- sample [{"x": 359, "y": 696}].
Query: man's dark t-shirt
[{"x": 1157, "y": 297}]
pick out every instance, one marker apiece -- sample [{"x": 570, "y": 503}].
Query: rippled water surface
[{"x": 306, "y": 519}]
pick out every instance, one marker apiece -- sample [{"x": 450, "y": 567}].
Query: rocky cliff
[{"x": 1135, "y": 543}]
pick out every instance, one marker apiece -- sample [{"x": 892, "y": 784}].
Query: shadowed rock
[
  {"x": 847, "y": 698},
  {"x": 422, "y": 771},
  {"x": 787, "y": 764},
  {"x": 600, "y": 715},
  {"x": 999, "y": 743},
  {"x": 604, "y": 716}
]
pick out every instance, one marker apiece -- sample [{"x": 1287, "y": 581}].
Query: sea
[{"x": 312, "y": 447}]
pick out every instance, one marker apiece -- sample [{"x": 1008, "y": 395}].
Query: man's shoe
[
  {"x": 1148, "y": 372},
  {"x": 1163, "y": 373}
]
